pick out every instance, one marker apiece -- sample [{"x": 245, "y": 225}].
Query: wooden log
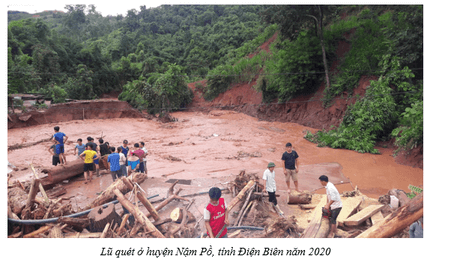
[
  {"x": 246, "y": 202},
  {"x": 15, "y": 235},
  {"x": 41, "y": 188},
  {"x": 397, "y": 221},
  {"x": 123, "y": 224},
  {"x": 323, "y": 229},
  {"x": 104, "y": 232},
  {"x": 138, "y": 215},
  {"x": 234, "y": 234},
  {"x": 240, "y": 195},
  {"x": 51, "y": 208},
  {"x": 76, "y": 223},
  {"x": 349, "y": 206},
  {"x": 295, "y": 197},
  {"x": 17, "y": 199},
  {"x": 162, "y": 221},
  {"x": 377, "y": 217},
  {"x": 83, "y": 235},
  {"x": 56, "y": 232},
  {"x": 33, "y": 191},
  {"x": 314, "y": 226},
  {"x": 56, "y": 192},
  {"x": 99, "y": 217},
  {"x": 36, "y": 232},
  {"x": 177, "y": 215},
  {"x": 150, "y": 208},
  {"x": 169, "y": 199},
  {"x": 108, "y": 195},
  {"x": 137, "y": 226},
  {"x": 244, "y": 213},
  {"x": 11, "y": 215},
  {"x": 59, "y": 173},
  {"x": 361, "y": 216},
  {"x": 307, "y": 206}
]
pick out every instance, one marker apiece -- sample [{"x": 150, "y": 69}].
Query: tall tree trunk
[{"x": 320, "y": 29}]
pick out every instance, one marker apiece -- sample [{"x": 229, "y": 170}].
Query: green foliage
[
  {"x": 410, "y": 132},
  {"x": 364, "y": 122},
  {"x": 55, "y": 92},
  {"x": 293, "y": 68},
  {"x": 219, "y": 80},
  {"x": 413, "y": 191},
  {"x": 132, "y": 94}
]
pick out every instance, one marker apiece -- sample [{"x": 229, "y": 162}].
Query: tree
[{"x": 291, "y": 19}]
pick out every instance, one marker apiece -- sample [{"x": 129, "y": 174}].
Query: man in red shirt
[{"x": 216, "y": 215}]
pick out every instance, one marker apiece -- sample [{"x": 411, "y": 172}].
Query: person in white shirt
[
  {"x": 142, "y": 146},
  {"x": 123, "y": 165},
  {"x": 270, "y": 185},
  {"x": 333, "y": 204}
]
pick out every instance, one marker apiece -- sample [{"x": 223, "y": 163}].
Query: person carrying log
[
  {"x": 60, "y": 138},
  {"x": 216, "y": 215},
  {"x": 333, "y": 204},
  {"x": 88, "y": 156},
  {"x": 270, "y": 185},
  {"x": 290, "y": 165}
]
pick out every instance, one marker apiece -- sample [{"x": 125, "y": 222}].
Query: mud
[{"x": 207, "y": 147}]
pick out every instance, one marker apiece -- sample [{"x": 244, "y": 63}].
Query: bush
[
  {"x": 410, "y": 134},
  {"x": 56, "y": 93}
]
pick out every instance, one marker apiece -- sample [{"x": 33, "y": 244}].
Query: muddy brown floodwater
[{"x": 210, "y": 148}]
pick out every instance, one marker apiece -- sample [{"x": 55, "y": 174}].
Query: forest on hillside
[{"x": 151, "y": 54}]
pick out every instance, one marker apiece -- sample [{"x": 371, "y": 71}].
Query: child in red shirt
[{"x": 216, "y": 214}]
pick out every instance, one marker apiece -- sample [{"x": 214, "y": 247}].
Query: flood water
[{"x": 219, "y": 144}]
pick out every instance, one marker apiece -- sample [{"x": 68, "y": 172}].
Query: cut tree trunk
[
  {"x": 108, "y": 194},
  {"x": 141, "y": 196},
  {"x": 99, "y": 217},
  {"x": 177, "y": 215},
  {"x": 42, "y": 229},
  {"x": 138, "y": 215},
  {"x": 57, "y": 174},
  {"x": 315, "y": 224},
  {"x": 76, "y": 223},
  {"x": 397, "y": 221},
  {"x": 349, "y": 206},
  {"x": 295, "y": 197}
]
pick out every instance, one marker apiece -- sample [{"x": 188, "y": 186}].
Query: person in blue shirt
[
  {"x": 79, "y": 147},
  {"x": 60, "y": 138},
  {"x": 416, "y": 229},
  {"x": 114, "y": 164}
]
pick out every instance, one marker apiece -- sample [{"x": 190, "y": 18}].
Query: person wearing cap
[
  {"x": 333, "y": 204},
  {"x": 270, "y": 185},
  {"x": 216, "y": 214},
  {"x": 290, "y": 165}
]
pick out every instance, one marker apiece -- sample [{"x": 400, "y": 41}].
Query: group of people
[
  {"x": 121, "y": 161},
  {"x": 216, "y": 212}
]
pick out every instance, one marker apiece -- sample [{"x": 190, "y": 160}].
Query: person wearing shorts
[
  {"x": 333, "y": 204},
  {"x": 140, "y": 154},
  {"x": 88, "y": 156},
  {"x": 60, "y": 138},
  {"x": 270, "y": 186},
  {"x": 290, "y": 165}
]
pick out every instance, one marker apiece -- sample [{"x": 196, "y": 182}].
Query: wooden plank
[
  {"x": 377, "y": 217},
  {"x": 314, "y": 226},
  {"x": 348, "y": 206},
  {"x": 361, "y": 216}
]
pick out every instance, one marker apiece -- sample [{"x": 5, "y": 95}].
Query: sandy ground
[{"x": 210, "y": 150}]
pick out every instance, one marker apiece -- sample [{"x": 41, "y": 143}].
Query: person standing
[
  {"x": 79, "y": 147},
  {"x": 333, "y": 204},
  {"x": 113, "y": 161},
  {"x": 290, "y": 165},
  {"x": 88, "y": 155},
  {"x": 216, "y": 214},
  {"x": 97, "y": 158},
  {"x": 142, "y": 146},
  {"x": 60, "y": 139},
  {"x": 125, "y": 149},
  {"x": 123, "y": 162},
  {"x": 55, "y": 156},
  {"x": 140, "y": 154},
  {"x": 270, "y": 186}
]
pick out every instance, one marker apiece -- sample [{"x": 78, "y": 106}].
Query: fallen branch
[
  {"x": 246, "y": 202},
  {"x": 36, "y": 232}
]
